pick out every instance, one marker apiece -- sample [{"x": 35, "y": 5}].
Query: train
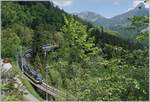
[
  {"x": 32, "y": 74},
  {"x": 27, "y": 70}
]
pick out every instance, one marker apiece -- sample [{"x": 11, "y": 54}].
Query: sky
[{"x": 106, "y": 8}]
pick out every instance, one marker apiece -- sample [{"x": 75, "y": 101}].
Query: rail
[{"x": 43, "y": 86}]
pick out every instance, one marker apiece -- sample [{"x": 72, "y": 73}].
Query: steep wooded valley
[{"x": 92, "y": 63}]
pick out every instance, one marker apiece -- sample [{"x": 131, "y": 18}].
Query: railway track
[{"x": 43, "y": 86}]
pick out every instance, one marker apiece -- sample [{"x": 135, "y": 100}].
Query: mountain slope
[
  {"x": 117, "y": 23},
  {"x": 92, "y": 17},
  {"x": 140, "y": 10},
  {"x": 90, "y": 63}
]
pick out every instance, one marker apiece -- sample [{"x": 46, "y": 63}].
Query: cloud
[
  {"x": 62, "y": 3},
  {"x": 136, "y": 2},
  {"x": 116, "y": 3},
  {"x": 130, "y": 9}
]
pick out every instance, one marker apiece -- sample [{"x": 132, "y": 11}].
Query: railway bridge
[{"x": 49, "y": 90}]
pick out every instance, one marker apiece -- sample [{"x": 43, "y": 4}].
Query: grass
[
  {"x": 31, "y": 89},
  {"x": 26, "y": 83}
]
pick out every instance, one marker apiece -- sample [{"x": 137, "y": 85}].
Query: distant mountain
[
  {"x": 116, "y": 23},
  {"x": 92, "y": 17},
  {"x": 140, "y": 10}
]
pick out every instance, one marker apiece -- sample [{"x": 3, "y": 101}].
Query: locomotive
[{"x": 32, "y": 74}]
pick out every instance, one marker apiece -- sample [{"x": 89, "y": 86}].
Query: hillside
[
  {"x": 92, "y": 17},
  {"x": 117, "y": 23},
  {"x": 91, "y": 63}
]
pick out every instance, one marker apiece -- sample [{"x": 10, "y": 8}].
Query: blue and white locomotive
[
  {"x": 32, "y": 74},
  {"x": 29, "y": 72}
]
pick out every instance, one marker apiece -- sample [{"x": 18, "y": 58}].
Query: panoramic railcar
[{"x": 32, "y": 74}]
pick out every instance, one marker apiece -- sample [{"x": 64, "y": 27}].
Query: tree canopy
[{"x": 91, "y": 63}]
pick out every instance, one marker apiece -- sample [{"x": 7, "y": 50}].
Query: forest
[{"x": 91, "y": 63}]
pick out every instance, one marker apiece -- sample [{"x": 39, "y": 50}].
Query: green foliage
[
  {"x": 10, "y": 43},
  {"x": 92, "y": 64},
  {"x": 11, "y": 93},
  {"x": 24, "y": 33},
  {"x": 55, "y": 77},
  {"x": 8, "y": 12},
  {"x": 38, "y": 64},
  {"x": 25, "y": 82},
  {"x": 77, "y": 40},
  {"x": 138, "y": 23},
  {"x": 40, "y": 38}
]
